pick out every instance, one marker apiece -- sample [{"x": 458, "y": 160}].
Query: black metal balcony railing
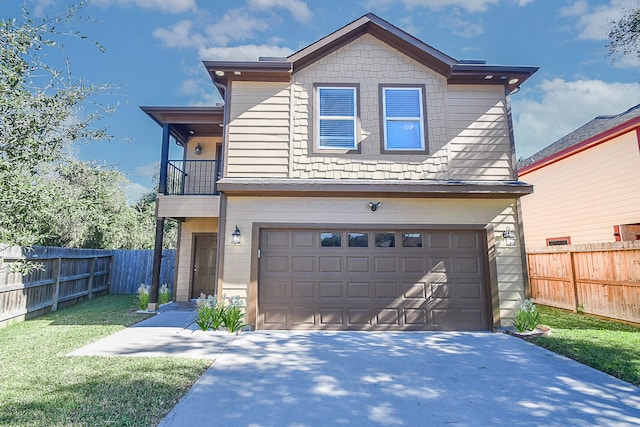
[{"x": 192, "y": 177}]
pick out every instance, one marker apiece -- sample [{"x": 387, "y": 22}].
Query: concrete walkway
[{"x": 286, "y": 378}]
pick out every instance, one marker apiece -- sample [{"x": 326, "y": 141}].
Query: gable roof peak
[{"x": 388, "y": 33}]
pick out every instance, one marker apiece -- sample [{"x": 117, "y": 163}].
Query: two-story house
[
  {"x": 587, "y": 185},
  {"x": 367, "y": 182}
]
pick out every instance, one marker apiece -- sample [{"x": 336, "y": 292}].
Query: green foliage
[
  {"x": 526, "y": 316},
  {"x": 41, "y": 106},
  {"x": 164, "y": 296},
  {"x": 624, "y": 37},
  {"x": 215, "y": 314},
  {"x": 144, "y": 295},
  {"x": 41, "y": 386},
  {"x": 606, "y": 345}
]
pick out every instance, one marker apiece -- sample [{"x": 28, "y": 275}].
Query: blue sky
[{"x": 155, "y": 48}]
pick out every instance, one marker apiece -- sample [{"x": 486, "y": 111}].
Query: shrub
[
  {"x": 526, "y": 316},
  {"x": 214, "y": 314},
  {"x": 143, "y": 296},
  {"x": 164, "y": 296}
]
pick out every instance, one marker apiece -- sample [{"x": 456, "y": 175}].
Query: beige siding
[
  {"x": 585, "y": 195},
  {"x": 478, "y": 127},
  {"x": 184, "y": 262},
  {"x": 188, "y": 206},
  {"x": 258, "y": 130},
  {"x": 353, "y": 64},
  {"x": 247, "y": 210}
]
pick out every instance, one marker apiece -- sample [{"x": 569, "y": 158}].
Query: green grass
[
  {"x": 608, "y": 346},
  {"x": 40, "y": 386}
]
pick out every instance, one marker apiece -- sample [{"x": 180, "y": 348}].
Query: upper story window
[
  {"x": 403, "y": 122},
  {"x": 337, "y": 117}
]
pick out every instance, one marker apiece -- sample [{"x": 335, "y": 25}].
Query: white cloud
[
  {"x": 463, "y": 27},
  {"x": 249, "y": 52},
  {"x": 170, "y": 6},
  {"x": 179, "y": 35},
  {"x": 235, "y": 25},
  {"x": 297, "y": 8},
  {"x": 594, "y": 23},
  {"x": 468, "y": 5},
  {"x": 564, "y": 106},
  {"x": 134, "y": 191}
]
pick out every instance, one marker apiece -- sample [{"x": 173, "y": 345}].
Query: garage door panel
[
  {"x": 304, "y": 239},
  {"x": 387, "y": 317},
  {"x": 303, "y": 290},
  {"x": 413, "y": 265},
  {"x": 359, "y": 317},
  {"x": 359, "y": 290},
  {"x": 330, "y": 290},
  {"x": 413, "y": 316},
  {"x": 303, "y": 316},
  {"x": 417, "y": 280},
  {"x": 414, "y": 291},
  {"x": 467, "y": 265},
  {"x": 276, "y": 239},
  {"x": 386, "y": 265},
  {"x": 357, "y": 264},
  {"x": 331, "y": 317},
  {"x": 303, "y": 264},
  {"x": 466, "y": 240},
  {"x": 276, "y": 291},
  {"x": 330, "y": 264},
  {"x": 277, "y": 264}
]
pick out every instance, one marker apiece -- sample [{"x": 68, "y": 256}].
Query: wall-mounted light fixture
[
  {"x": 374, "y": 206},
  {"x": 509, "y": 237},
  {"x": 198, "y": 149},
  {"x": 235, "y": 236}
]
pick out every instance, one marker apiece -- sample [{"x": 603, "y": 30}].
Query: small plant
[
  {"x": 164, "y": 295},
  {"x": 144, "y": 293},
  {"x": 526, "y": 316},
  {"x": 215, "y": 314},
  {"x": 233, "y": 315}
]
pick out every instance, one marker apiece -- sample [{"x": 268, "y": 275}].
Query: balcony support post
[
  {"x": 157, "y": 264},
  {"x": 164, "y": 158}
]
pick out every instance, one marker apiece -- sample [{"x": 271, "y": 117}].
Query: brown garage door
[{"x": 372, "y": 280}]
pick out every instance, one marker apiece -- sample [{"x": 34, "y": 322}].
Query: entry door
[{"x": 204, "y": 265}]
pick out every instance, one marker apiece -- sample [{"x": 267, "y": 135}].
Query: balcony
[
  {"x": 192, "y": 178},
  {"x": 191, "y": 190}
]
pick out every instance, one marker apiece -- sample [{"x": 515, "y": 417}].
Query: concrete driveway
[{"x": 400, "y": 379}]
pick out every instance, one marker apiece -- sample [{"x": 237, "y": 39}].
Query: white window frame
[
  {"x": 420, "y": 120},
  {"x": 353, "y": 119}
]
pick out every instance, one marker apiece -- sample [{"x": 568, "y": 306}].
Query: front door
[{"x": 204, "y": 264}]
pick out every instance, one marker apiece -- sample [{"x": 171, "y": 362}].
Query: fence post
[
  {"x": 56, "y": 286},
  {"x": 92, "y": 269},
  {"x": 112, "y": 260},
  {"x": 574, "y": 285}
]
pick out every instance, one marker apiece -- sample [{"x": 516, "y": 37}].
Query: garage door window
[
  {"x": 358, "y": 240},
  {"x": 385, "y": 240},
  {"x": 330, "y": 240},
  {"x": 411, "y": 240}
]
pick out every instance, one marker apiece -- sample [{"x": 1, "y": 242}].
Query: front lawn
[
  {"x": 40, "y": 386},
  {"x": 608, "y": 346}
]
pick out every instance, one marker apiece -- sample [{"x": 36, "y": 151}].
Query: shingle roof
[{"x": 593, "y": 128}]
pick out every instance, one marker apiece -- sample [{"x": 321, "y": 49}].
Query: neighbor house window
[
  {"x": 559, "y": 241},
  {"x": 403, "y": 118},
  {"x": 337, "y": 117}
]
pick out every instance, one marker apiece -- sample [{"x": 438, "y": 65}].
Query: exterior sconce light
[
  {"x": 374, "y": 206},
  {"x": 198, "y": 149},
  {"x": 235, "y": 236},
  {"x": 509, "y": 237}
]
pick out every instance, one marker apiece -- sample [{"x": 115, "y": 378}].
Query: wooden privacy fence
[
  {"x": 601, "y": 279},
  {"x": 69, "y": 275},
  {"x": 133, "y": 267}
]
